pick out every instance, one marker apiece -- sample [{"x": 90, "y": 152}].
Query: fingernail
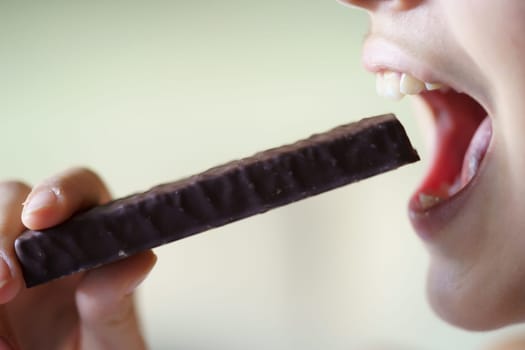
[
  {"x": 5, "y": 272},
  {"x": 39, "y": 200}
]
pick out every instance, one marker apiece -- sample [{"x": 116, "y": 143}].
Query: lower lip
[{"x": 428, "y": 223}]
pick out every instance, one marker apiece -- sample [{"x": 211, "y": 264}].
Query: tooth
[
  {"x": 434, "y": 86},
  {"x": 380, "y": 84},
  {"x": 454, "y": 188},
  {"x": 470, "y": 167},
  {"x": 476, "y": 151},
  {"x": 391, "y": 85},
  {"x": 427, "y": 200},
  {"x": 410, "y": 85}
]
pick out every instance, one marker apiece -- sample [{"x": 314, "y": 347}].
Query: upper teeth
[{"x": 395, "y": 85}]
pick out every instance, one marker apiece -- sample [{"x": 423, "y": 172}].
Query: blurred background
[{"x": 146, "y": 92}]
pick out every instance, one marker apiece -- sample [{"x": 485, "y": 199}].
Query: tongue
[{"x": 476, "y": 151}]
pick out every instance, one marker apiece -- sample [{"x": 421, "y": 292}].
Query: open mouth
[
  {"x": 462, "y": 135},
  {"x": 463, "y": 132}
]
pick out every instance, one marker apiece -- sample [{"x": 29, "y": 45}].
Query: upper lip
[{"x": 382, "y": 54}]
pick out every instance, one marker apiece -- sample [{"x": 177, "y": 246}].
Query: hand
[
  {"x": 515, "y": 342},
  {"x": 90, "y": 310}
]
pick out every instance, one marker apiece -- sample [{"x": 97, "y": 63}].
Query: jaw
[
  {"x": 463, "y": 282},
  {"x": 476, "y": 278},
  {"x": 475, "y": 288}
]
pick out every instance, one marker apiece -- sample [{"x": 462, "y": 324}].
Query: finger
[
  {"x": 516, "y": 343},
  {"x": 107, "y": 313},
  {"x": 59, "y": 197},
  {"x": 12, "y": 195}
]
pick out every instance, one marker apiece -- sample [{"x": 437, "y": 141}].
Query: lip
[
  {"x": 429, "y": 222},
  {"x": 380, "y": 54}
]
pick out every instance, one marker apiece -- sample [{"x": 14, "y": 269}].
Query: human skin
[
  {"x": 92, "y": 310},
  {"x": 475, "y": 237},
  {"x": 512, "y": 343},
  {"x": 476, "y": 276}
]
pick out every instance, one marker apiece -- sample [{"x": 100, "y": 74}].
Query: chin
[{"x": 474, "y": 305}]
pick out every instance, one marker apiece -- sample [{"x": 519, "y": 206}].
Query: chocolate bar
[{"x": 216, "y": 197}]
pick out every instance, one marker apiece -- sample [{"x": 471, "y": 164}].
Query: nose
[{"x": 374, "y": 5}]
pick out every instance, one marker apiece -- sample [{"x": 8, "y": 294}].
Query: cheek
[
  {"x": 491, "y": 32},
  {"x": 482, "y": 286}
]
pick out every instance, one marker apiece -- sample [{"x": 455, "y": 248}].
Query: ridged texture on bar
[{"x": 214, "y": 198}]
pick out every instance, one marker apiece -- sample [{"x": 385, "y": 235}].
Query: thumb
[{"x": 107, "y": 313}]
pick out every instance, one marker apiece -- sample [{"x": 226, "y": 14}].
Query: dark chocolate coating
[{"x": 214, "y": 198}]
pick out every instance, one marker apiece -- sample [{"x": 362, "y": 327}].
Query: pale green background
[{"x": 149, "y": 91}]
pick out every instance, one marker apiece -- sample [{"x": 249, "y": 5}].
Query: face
[{"x": 465, "y": 59}]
